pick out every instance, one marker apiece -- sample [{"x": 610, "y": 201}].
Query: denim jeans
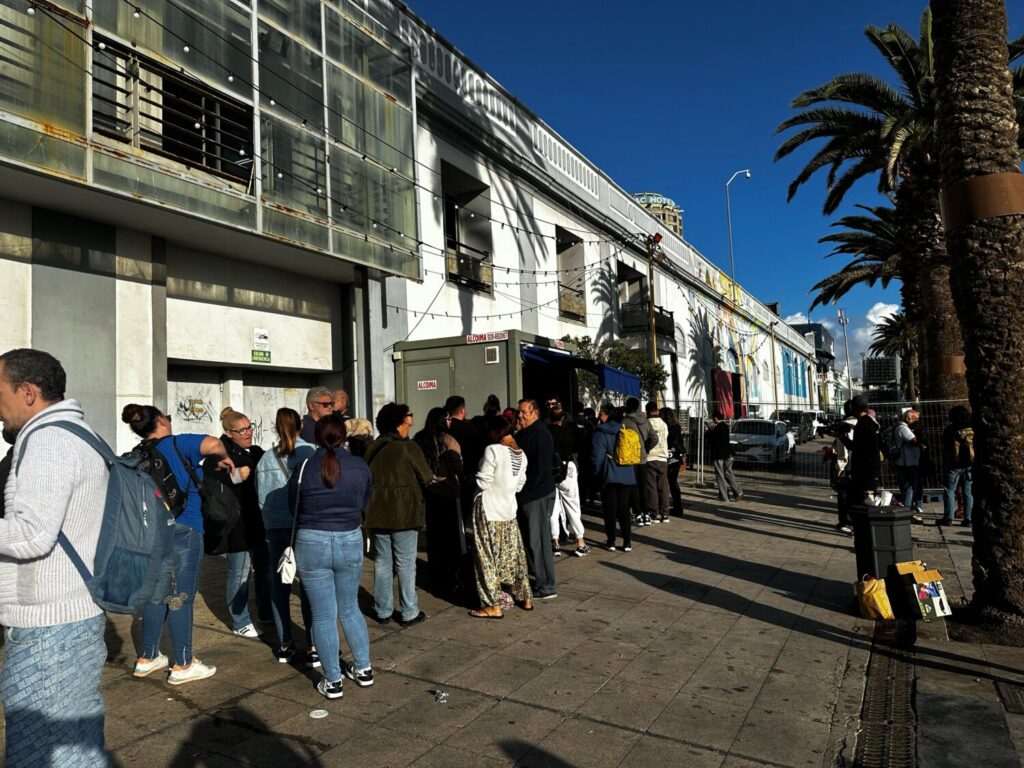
[
  {"x": 953, "y": 477},
  {"x": 49, "y": 686},
  {"x": 330, "y": 564},
  {"x": 237, "y": 589},
  {"x": 189, "y": 544},
  {"x": 280, "y": 593},
  {"x": 396, "y": 551},
  {"x": 910, "y": 487}
]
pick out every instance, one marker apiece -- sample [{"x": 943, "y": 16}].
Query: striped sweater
[{"x": 61, "y": 484}]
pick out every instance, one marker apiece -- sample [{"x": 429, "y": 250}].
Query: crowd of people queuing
[
  {"x": 861, "y": 445},
  {"x": 496, "y": 493}
]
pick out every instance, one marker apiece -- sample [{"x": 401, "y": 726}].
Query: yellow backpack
[{"x": 627, "y": 447}]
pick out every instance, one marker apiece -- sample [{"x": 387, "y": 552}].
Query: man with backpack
[
  {"x": 720, "y": 453},
  {"x": 636, "y": 420},
  {"x": 958, "y": 461},
  {"x": 54, "y": 654}
]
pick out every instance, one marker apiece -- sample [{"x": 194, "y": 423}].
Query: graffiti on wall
[{"x": 194, "y": 410}]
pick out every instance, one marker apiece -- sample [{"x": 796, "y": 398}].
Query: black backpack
[
  {"x": 221, "y": 508},
  {"x": 153, "y": 463}
]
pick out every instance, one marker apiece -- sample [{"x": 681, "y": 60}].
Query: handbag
[
  {"x": 221, "y": 508},
  {"x": 286, "y": 566}
]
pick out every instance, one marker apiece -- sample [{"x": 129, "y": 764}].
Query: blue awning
[
  {"x": 608, "y": 376},
  {"x": 617, "y": 380}
]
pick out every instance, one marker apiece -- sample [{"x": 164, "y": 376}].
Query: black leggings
[
  {"x": 615, "y": 503},
  {"x": 673, "y": 487}
]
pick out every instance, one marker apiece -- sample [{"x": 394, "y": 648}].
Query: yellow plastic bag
[{"x": 872, "y": 599}]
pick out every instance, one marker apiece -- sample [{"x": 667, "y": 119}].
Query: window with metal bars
[{"x": 143, "y": 103}]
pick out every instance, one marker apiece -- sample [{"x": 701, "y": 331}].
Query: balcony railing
[
  {"x": 470, "y": 266},
  {"x": 571, "y": 303},
  {"x": 635, "y": 320}
]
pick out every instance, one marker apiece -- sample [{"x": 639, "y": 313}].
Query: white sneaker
[
  {"x": 248, "y": 631},
  {"x": 145, "y": 668},
  {"x": 194, "y": 671}
]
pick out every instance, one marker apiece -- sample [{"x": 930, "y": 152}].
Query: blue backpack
[{"x": 136, "y": 562}]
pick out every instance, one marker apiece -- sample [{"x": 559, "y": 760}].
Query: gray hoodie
[{"x": 61, "y": 484}]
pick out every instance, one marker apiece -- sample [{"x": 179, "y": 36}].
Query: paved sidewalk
[{"x": 726, "y": 638}]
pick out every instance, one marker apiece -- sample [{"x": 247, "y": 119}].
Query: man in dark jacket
[
  {"x": 319, "y": 403},
  {"x": 537, "y": 499},
  {"x": 720, "y": 453},
  {"x": 866, "y": 460}
]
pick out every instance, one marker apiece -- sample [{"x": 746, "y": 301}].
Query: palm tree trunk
[
  {"x": 912, "y": 367},
  {"x": 977, "y": 137},
  {"x": 926, "y": 269}
]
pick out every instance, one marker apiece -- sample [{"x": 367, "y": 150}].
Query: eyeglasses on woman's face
[{"x": 246, "y": 430}]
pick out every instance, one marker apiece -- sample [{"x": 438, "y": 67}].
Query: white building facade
[{"x": 206, "y": 205}]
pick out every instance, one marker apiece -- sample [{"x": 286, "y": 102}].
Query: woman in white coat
[{"x": 500, "y": 556}]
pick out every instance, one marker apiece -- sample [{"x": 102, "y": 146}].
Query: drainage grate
[
  {"x": 929, "y": 544},
  {"x": 1012, "y": 695},
  {"x": 887, "y": 737}
]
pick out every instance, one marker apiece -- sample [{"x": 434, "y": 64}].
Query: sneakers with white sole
[
  {"x": 249, "y": 631},
  {"x": 143, "y": 668},
  {"x": 194, "y": 671},
  {"x": 330, "y": 690},
  {"x": 363, "y": 677}
]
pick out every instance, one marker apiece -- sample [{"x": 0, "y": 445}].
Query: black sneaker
[
  {"x": 362, "y": 678},
  {"x": 582, "y": 551},
  {"x": 556, "y": 552},
  {"x": 943, "y": 521},
  {"x": 964, "y": 523},
  {"x": 285, "y": 653},
  {"x": 312, "y": 660},
  {"x": 330, "y": 690},
  {"x": 415, "y": 620}
]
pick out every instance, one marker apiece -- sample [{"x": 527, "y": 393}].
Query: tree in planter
[
  {"x": 896, "y": 336},
  {"x": 978, "y": 125},
  {"x": 653, "y": 376}
]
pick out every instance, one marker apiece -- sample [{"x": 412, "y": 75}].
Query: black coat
[
  {"x": 248, "y": 534},
  {"x": 718, "y": 442},
  {"x": 536, "y": 442}
]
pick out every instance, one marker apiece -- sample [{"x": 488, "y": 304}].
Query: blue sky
[{"x": 672, "y": 97}]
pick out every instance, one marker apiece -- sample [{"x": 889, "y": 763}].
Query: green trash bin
[{"x": 881, "y": 537}]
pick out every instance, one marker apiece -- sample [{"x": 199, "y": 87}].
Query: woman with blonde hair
[
  {"x": 245, "y": 544},
  {"x": 272, "y": 474}
]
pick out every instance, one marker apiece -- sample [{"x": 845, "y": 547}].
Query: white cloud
[
  {"x": 796, "y": 317},
  {"x": 830, "y": 325},
  {"x": 880, "y": 311}
]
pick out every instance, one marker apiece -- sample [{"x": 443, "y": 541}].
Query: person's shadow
[{"x": 209, "y": 737}]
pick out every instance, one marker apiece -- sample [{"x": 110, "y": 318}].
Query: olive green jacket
[{"x": 399, "y": 472}]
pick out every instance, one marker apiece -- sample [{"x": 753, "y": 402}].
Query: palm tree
[
  {"x": 895, "y": 335},
  {"x": 872, "y": 240},
  {"x": 872, "y": 128},
  {"x": 978, "y": 129}
]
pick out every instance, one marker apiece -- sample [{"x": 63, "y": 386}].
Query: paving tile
[
  {"x": 443, "y": 756},
  {"x": 626, "y": 704},
  {"x": 498, "y": 675},
  {"x": 506, "y": 731},
  {"x": 560, "y": 688},
  {"x": 545, "y": 646},
  {"x": 701, "y": 720},
  {"x": 581, "y": 742},
  {"x": 376, "y": 748},
  {"x": 654, "y": 751},
  {"x": 434, "y": 721},
  {"x": 443, "y": 662},
  {"x": 782, "y": 737}
]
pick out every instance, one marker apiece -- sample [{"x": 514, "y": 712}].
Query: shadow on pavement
[
  {"x": 535, "y": 757},
  {"x": 243, "y": 737}
]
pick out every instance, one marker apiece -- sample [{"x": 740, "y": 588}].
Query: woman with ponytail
[
  {"x": 330, "y": 492},
  {"x": 272, "y": 473},
  {"x": 154, "y": 428}
]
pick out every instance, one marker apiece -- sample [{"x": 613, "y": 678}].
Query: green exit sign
[{"x": 261, "y": 355}]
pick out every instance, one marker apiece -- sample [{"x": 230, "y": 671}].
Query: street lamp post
[
  {"x": 652, "y": 251},
  {"x": 728, "y": 221},
  {"x": 845, "y": 321}
]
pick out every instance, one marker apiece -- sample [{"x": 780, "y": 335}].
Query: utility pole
[
  {"x": 845, "y": 321},
  {"x": 728, "y": 221},
  {"x": 652, "y": 250}
]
